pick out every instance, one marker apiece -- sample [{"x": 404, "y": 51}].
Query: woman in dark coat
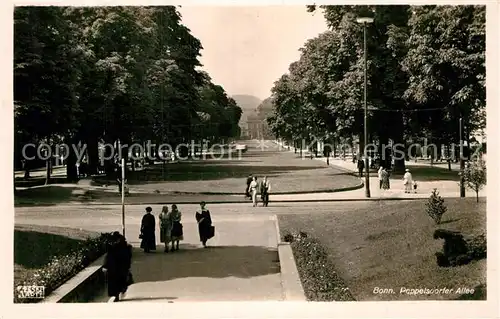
[
  {"x": 247, "y": 190},
  {"x": 205, "y": 228},
  {"x": 148, "y": 242},
  {"x": 117, "y": 266}
]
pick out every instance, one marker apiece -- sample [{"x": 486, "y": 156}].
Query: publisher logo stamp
[{"x": 30, "y": 292}]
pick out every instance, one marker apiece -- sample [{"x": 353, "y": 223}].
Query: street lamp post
[
  {"x": 123, "y": 196},
  {"x": 365, "y": 21},
  {"x": 462, "y": 164}
]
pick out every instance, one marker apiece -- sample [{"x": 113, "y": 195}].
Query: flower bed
[
  {"x": 317, "y": 274},
  {"x": 61, "y": 268}
]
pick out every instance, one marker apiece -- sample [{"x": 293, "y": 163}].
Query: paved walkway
[
  {"x": 446, "y": 188},
  {"x": 241, "y": 264}
]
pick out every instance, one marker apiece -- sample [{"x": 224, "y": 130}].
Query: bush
[
  {"x": 61, "y": 268},
  {"x": 317, "y": 274},
  {"x": 435, "y": 206},
  {"x": 459, "y": 249}
]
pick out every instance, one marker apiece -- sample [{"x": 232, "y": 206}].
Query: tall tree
[
  {"x": 446, "y": 67},
  {"x": 425, "y": 69},
  {"x": 125, "y": 74},
  {"x": 46, "y": 61}
]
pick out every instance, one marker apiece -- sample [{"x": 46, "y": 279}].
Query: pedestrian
[
  {"x": 385, "y": 179},
  {"x": 361, "y": 166},
  {"x": 177, "y": 233},
  {"x": 120, "y": 185},
  {"x": 380, "y": 176},
  {"x": 205, "y": 228},
  {"x": 247, "y": 191},
  {"x": 415, "y": 185},
  {"x": 117, "y": 263},
  {"x": 265, "y": 188},
  {"x": 407, "y": 181},
  {"x": 83, "y": 167},
  {"x": 147, "y": 235},
  {"x": 252, "y": 189},
  {"x": 165, "y": 227}
]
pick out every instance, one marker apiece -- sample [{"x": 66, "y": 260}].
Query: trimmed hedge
[
  {"x": 62, "y": 268},
  {"x": 317, "y": 273}
]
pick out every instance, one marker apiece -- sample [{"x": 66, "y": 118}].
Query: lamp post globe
[{"x": 364, "y": 20}]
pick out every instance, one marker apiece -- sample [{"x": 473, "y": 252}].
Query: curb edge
[
  {"x": 290, "y": 280},
  {"x": 71, "y": 288}
]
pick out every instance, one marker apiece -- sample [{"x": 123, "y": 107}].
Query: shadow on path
[
  {"x": 168, "y": 299},
  {"x": 211, "y": 262}
]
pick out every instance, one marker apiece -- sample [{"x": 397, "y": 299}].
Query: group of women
[
  {"x": 171, "y": 229},
  {"x": 118, "y": 259},
  {"x": 383, "y": 176}
]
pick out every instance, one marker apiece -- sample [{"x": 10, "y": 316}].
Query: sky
[{"x": 246, "y": 49}]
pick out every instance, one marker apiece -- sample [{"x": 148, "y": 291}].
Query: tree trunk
[
  {"x": 467, "y": 137},
  {"x": 109, "y": 161},
  {"x": 71, "y": 172},
  {"x": 27, "y": 170},
  {"x": 361, "y": 145},
  {"x": 399, "y": 163},
  {"x": 48, "y": 170},
  {"x": 109, "y": 168},
  {"x": 334, "y": 146},
  {"x": 125, "y": 154},
  {"x": 93, "y": 155}
]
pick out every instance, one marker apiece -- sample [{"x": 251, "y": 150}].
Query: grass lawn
[
  {"x": 424, "y": 173},
  {"x": 35, "y": 246},
  {"x": 287, "y": 172},
  {"x": 43, "y": 195},
  {"x": 391, "y": 245},
  {"x": 430, "y": 173}
]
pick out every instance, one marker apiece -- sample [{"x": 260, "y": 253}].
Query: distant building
[
  {"x": 255, "y": 126},
  {"x": 244, "y": 132},
  {"x": 258, "y": 128}
]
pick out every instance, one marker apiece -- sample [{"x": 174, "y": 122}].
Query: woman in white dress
[
  {"x": 165, "y": 227},
  {"x": 408, "y": 181},
  {"x": 252, "y": 189}
]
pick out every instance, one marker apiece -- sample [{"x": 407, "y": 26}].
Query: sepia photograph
[{"x": 286, "y": 153}]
